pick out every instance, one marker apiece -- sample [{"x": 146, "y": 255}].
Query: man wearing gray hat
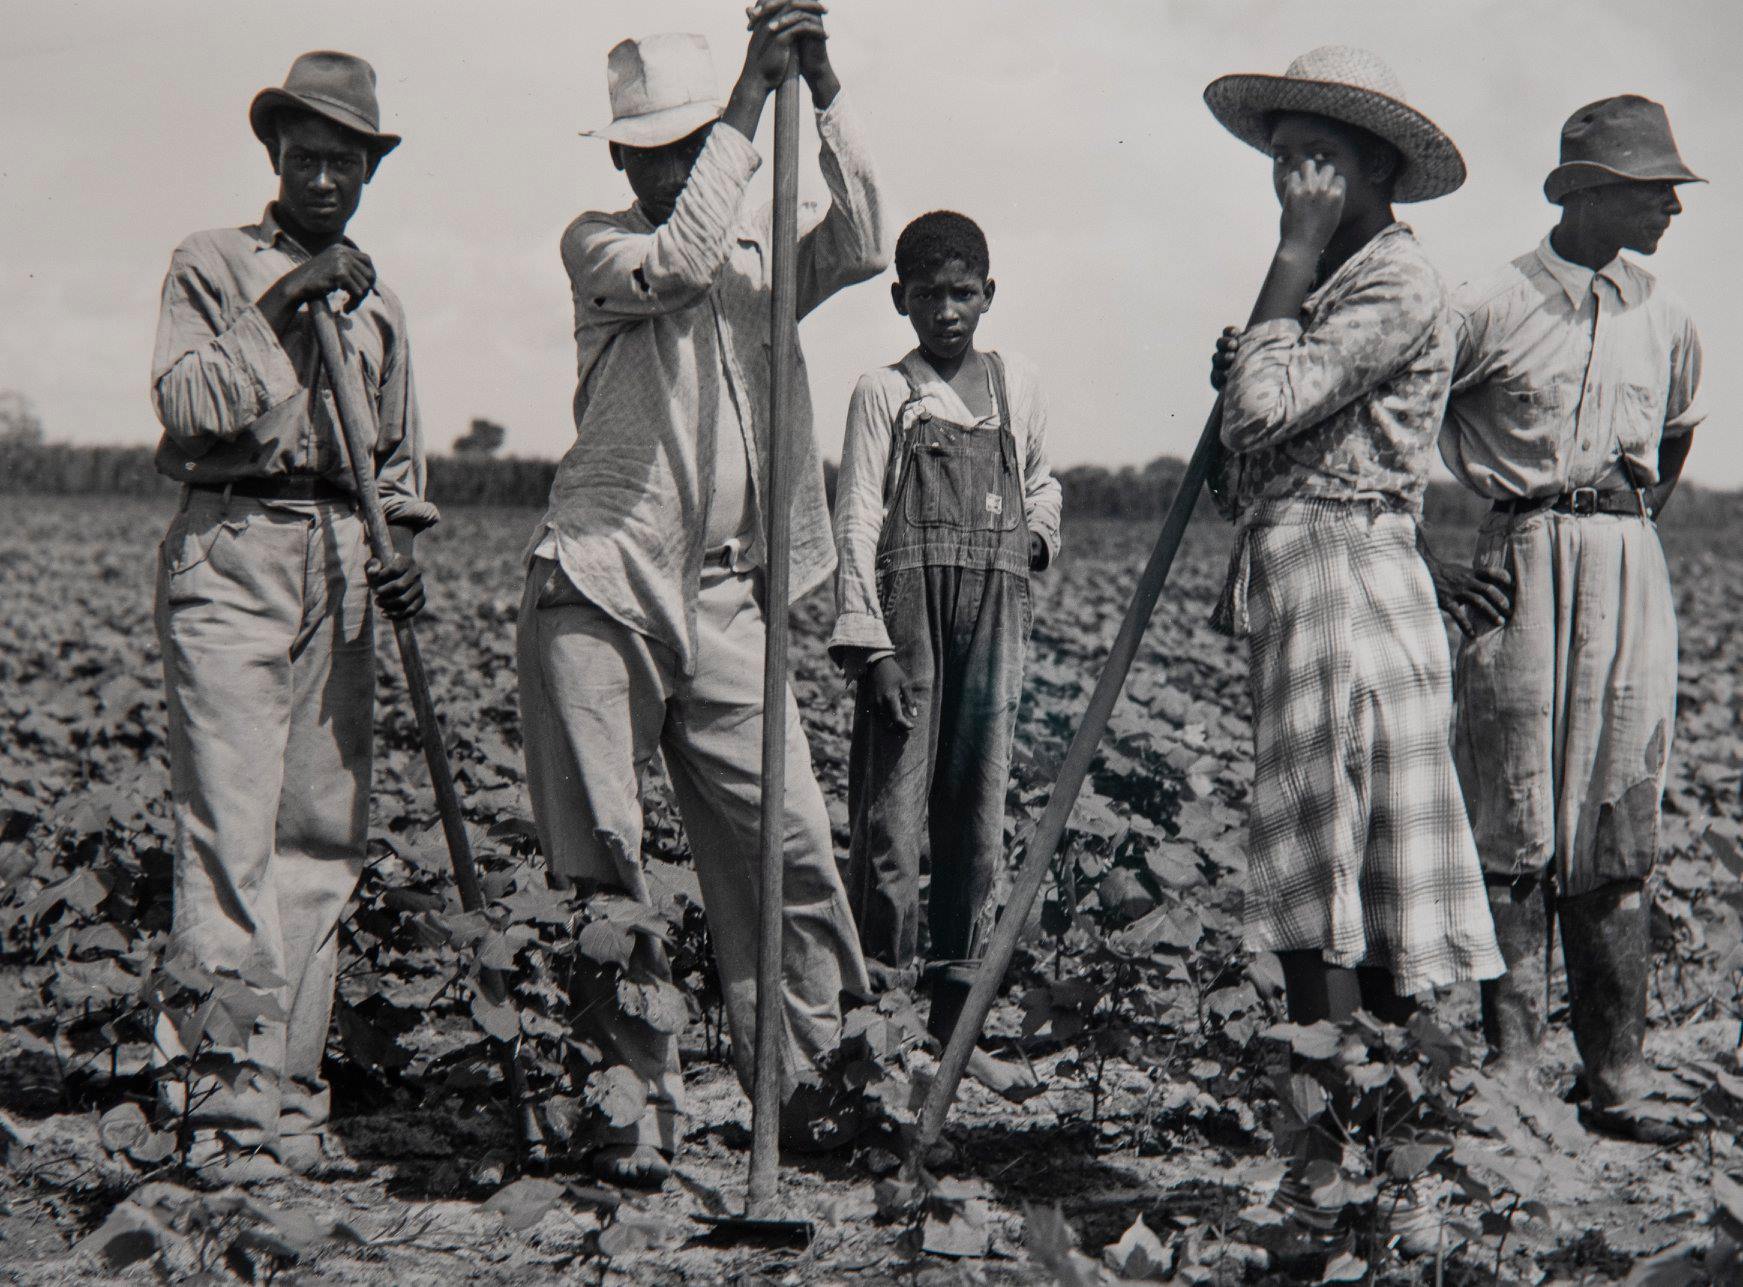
[
  {"x": 642, "y": 626},
  {"x": 1572, "y": 407},
  {"x": 263, "y": 609}
]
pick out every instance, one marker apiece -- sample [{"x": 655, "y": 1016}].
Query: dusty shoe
[
  {"x": 631, "y": 1166},
  {"x": 1653, "y": 1118},
  {"x": 1016, "y": 1082}
]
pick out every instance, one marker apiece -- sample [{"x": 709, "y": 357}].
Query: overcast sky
[{"x": 1126, "y": 226}]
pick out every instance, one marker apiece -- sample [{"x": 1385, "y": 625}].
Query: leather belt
[
  {"x": 1582, "y": 501},
  {"x": 293, "y": 487}
]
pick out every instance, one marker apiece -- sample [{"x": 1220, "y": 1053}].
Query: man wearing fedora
[
  {"x": 1572, "y": 406},
  {"x": 642, "y": 627},
  {"x": 263, "y": 609}
]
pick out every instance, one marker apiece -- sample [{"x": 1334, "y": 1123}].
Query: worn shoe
[
  {"x": 631, "y": 1166},
  {"x": 1654, "y": 1118}
]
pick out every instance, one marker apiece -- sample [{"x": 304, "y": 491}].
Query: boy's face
[
  {"x": 944, "y": 304},
  {"x": 657, "y": 175}
]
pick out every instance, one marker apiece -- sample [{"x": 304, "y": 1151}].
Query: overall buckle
[{"x": 1583, "y": 501}]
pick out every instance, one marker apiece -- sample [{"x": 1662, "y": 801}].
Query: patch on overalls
[{"x": 995, "y": 504}]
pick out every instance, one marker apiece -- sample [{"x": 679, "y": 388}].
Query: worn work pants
[
  {"x": 1565, "y": 714},
  {"x": 1563, "y": 738},
  {"x": 960, "y": 635},
  {"x": 264, "y": 619},
  {"x": 597, "y": 701}
]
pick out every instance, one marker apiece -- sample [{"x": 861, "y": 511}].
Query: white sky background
[{"x": 1126, "y": 226}]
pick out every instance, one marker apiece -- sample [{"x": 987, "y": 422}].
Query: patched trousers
[
  {"x": 264, "y": 619},
  {"x": 1566, "y": 713},
  {"x": 597, "y": 701}
]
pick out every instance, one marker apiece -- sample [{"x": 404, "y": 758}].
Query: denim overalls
[{"x": 953, "y": 585}]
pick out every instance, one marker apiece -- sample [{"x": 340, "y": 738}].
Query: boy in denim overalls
[{"x": 944, "y": 505}]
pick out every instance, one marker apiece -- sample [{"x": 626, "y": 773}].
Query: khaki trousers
[
  {"x": 597, "y": 701},
  {"x": 266, "y": 629}
]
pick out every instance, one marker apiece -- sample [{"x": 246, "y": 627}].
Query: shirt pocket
[
  {"x": 1537, "y": 416},
  {"x": 1640, "y": 412}
]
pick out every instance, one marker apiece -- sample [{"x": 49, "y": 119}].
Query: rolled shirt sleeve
[
  {"x": 619, "y": 272},
  {"x": 212, "y": 378},
  {"x": 1684, "y": 409},
  {"x": 1286, "y": 379},
  {"x": 849, "y": 243},
  {"x": 402, "y": 476},
  {"x": 1042, "y": 495},
  {"x": 860, "y": 497}
]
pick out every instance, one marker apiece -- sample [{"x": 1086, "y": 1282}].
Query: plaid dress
[{"x": 1359, "y": 844}]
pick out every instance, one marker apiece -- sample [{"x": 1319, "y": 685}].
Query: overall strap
[
  {"x": 901, "y": 441},
  {"x": 1000, "y": 398},
  {"x": 1007, "y": 430}
]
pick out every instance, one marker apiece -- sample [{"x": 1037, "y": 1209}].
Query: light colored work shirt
[
  {"x": 628, "y": 514},
  {"x": 237, "y": 403},
  {"x": 1344, "y": 402},
  {"x": 865, "y": 486},
  {"x": 1561, "y": 371},
  {"x": 729, "y": 510}
]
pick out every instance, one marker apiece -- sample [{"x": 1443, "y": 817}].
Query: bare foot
[
  {"x": 1016, "y": 1082},
  {"x": 635, "y": 1166}
]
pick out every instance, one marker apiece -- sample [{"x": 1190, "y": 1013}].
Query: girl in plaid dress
[{"x": 1363, "y": 876}]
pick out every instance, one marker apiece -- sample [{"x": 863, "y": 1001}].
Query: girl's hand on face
[{"x": 1313, "y": 203}]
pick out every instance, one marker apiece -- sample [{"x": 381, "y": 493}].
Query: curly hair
[{"x": 937, "y": 238}]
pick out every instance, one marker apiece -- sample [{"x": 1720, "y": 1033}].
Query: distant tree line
[{"x": 478, "y": 477}]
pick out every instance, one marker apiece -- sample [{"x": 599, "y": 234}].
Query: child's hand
[
  {"x": 1037, "y": 552},
  {"x": 1313, "y": 202},
  {"x": 1227, "y": 344},
  {"x": 889, "y": 693}
]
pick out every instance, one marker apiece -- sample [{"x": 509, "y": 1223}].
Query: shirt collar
[
  {"x": 1576, "y": 280},
  {"x": 1372, "y": 246},
  {"x": 932, "y": 385},
  {"x": 270, "y": 232}
]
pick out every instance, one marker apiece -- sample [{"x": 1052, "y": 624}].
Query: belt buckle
[{"x": 1583, "y": 501}]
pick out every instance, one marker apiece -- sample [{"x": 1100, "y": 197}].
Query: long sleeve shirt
[
  {"x": 1561, "y": 372},
  {"x": 238, "y": 403},
  {"x": 864, "y": 487},
  {"x": 661, "y": 315},
  {"x": 1345, "y": 402}
]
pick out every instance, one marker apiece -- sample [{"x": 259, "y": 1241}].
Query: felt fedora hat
[
  {"x": 339, "y": 87},
  {"x": 1349, "y": 85},
  {"x": 1616, "y": 139},
  {"x": 662, "y": 89}
]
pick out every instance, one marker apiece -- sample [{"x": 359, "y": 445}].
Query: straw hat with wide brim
[
  {"x": 1349, "y": 85},
  {"x": 662, "y": 89},
  {"x": 339, "y": 87}
]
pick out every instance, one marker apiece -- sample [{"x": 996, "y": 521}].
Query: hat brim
[
  {"x": 656, "y": 129},
  {"x": 1572, "y": 176},
  {"x": 1432, "y": 164},
  {"x": 268, "y": 101}
]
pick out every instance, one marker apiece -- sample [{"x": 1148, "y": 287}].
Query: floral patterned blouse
[{"x": 1345, "y": 403}]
